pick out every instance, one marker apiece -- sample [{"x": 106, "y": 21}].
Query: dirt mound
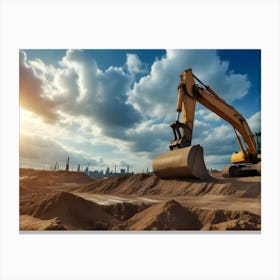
[
  {"x": 228, "y": 220},
  {"x": 127, "y": 184},
  {"x": 169, "y": 215},
  {"x": 124, "y": 211},
  {"x": 30, "y": 179},
  {"x": 65, "y": 210},
  {"x": 28, "y": 172},
  {"x": 237, "y": 224},
  {"x": 30, "y": 223},
  {"x": 73, "y": 211},
  {"x": 142, "y": 184}
]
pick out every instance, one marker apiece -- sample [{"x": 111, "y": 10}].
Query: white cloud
[
  {"x": 207, "y": 115},
  {"x": 222, "y": 132},
  {"x": 155, "y": 95},
  {"x": 149, "y": 138},
  {"x": 215, "y": 140},
  {"x": 255, "y": 122},
  {"x": 134, "y": 64}
]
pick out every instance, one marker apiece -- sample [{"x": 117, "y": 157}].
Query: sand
[
  {"x": 143, "y": 184},
  {"x": 168, "y": 215},
  {"x": 57, "y": 200},
  {"x": 72, "y": 211}
]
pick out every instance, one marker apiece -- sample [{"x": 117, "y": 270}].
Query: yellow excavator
[{"x": 186, "y": 160}]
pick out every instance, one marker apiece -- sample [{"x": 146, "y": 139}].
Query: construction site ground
[{"x": 59, "y": 200}]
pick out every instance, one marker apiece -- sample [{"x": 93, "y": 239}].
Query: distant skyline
[{"x": 114, "y": 107}]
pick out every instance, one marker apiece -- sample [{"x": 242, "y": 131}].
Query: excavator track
[{"x": 241, "y": 170}]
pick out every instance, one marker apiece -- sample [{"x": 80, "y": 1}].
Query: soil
[{"x": 59, "y": 200}]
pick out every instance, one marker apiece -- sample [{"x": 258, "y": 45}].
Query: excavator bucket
[{"x": 181, "y": 163}]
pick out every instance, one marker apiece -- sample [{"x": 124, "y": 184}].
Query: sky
[{"x": 113, "y": 107}]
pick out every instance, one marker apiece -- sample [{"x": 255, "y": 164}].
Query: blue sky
[{"x": 107, "y": 107}]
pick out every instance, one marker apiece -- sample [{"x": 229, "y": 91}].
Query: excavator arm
[
  {"x": 185, "y": 160},
  {"x": 189, "y": 93}
]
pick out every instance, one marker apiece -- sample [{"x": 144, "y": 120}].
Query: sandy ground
[{"x": 73, "y": 201}]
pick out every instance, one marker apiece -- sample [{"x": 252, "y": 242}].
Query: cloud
[
  {"x": 221, "y": 140},
  {"x": 255, "y": 122},
  {"x": 216, "y": 140},
  {"x": 32, "y": 96},
  {"x": 149, "y": 138},
  {"x": 207, "y": 115},
  {"x": 112, "y": 113},
  {"x": 155, "y": 95},
  {"x": 134, "y": 64},
  {"x": 221, "y": 143},
  {"x": 34, "y": 148},
  {"x": 79, "y": 88},
  {"x": 101, "y": 96},
  {"x": 124, "y": 163}
]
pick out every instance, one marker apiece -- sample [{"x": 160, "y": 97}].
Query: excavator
[{"x": 186, "y": 160}]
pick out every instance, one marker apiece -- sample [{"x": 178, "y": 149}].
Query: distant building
[
  {"x": 96, "y": 174},
  {"x": 107, "y": 171}
]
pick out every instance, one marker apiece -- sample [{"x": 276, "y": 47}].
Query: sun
[
  {"x": 29, "y": 122},
  {"x": 24, "y": 114}
]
